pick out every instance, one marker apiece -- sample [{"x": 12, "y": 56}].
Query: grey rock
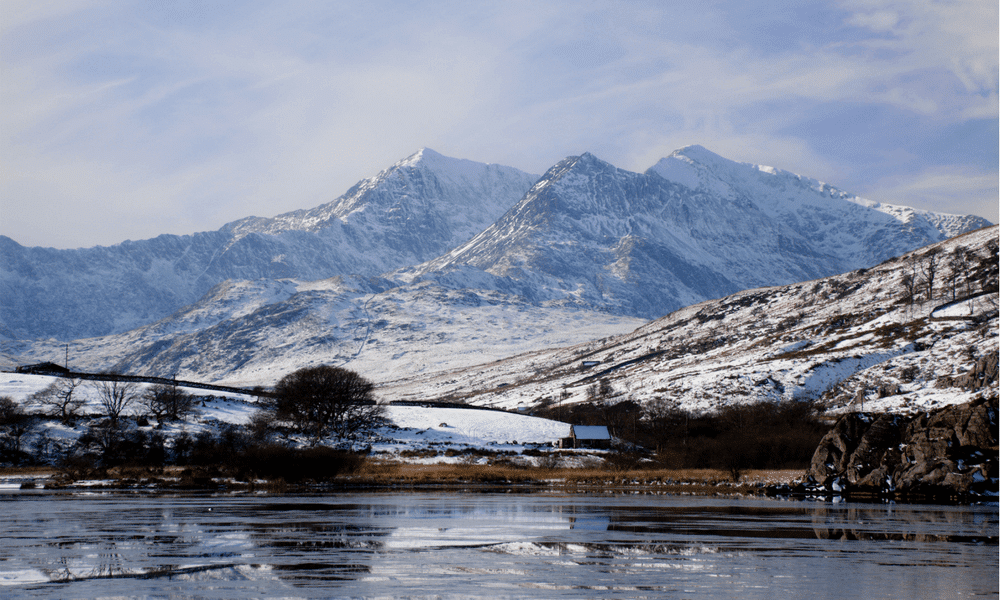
[{"x": 950, "y": 452}]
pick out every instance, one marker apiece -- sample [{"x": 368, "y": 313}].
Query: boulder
[{"x": 948, "y": 453}]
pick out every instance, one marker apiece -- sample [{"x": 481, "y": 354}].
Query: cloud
[
  {"x": 186, "y": 115},
  {"x": 953, "y": 189},
  {"x": 879, "y": 20},
  {"x": 959, "y": 36}
]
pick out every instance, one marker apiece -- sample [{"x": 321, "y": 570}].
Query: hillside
[
  {"x": 693, "y": 227},
  {"x": 864, "y": 337},
  {"x": 411, "y": 430}
]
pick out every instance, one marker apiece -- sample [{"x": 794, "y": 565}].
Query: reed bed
[
  {"x": 379, "y": 473},
  {"x": 388, "y": 474}
]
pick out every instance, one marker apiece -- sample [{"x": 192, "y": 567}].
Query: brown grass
[
  {"x": 27, "y": 471},
  {"x": 387, "y": 473},
  {"x": 383, "y": 473}
]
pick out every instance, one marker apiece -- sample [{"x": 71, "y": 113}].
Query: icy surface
[{"x": 487, "y": 545}]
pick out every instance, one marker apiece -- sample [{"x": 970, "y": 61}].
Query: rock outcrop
[{"x": 949, "y": 453}]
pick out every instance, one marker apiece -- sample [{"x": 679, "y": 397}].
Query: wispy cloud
[
  {"x": 177, "y": 117},
  {"x": 950, "y": 189}
]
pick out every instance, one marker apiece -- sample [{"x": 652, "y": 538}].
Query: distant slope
[{"x": 253, "y": 333}]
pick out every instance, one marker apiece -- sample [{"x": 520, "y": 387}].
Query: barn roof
[{"x": 591, "y": 432}]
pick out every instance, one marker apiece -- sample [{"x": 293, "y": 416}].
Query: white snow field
[{"x": 413, "y": 427}]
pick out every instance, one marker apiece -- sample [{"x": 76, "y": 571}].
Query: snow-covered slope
[
  {"x": 843, "y": 340},
  {"x": 253, "y": 333},
  {"x": 835, "y": 222},
  {"x": 415, "y": 210},
  {"x": 413, "y": 428}
]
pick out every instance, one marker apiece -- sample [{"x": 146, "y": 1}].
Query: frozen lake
[{"x": 487, "y": 545}]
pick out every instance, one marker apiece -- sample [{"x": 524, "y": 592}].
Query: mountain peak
[
  {"x": 588, "y": 158},
  {"x": 695, "y": 156},
  {"x": 585, "y": 161},
  {"x": 698, "y": 154},
  {"x": 422, "y": 156}
]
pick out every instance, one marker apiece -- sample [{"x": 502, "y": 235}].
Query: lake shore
[{"x": 405, "y": 476}]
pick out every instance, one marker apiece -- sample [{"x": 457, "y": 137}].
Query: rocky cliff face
[
  {"x": 693, "y": 227},
  {"x": 946, "y": 453}
]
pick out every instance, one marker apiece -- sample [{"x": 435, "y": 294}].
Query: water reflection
[{"x": 481, "y": 545}]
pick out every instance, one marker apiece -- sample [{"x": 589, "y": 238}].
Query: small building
[
  {"x": 45, "y": 368},
  {"x": 587, "y": 436}
]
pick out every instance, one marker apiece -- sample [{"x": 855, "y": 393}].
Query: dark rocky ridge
[{"x": 945, "y": 454}]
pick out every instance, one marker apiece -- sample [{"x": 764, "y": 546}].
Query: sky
[{"x": 126, "y": 119}]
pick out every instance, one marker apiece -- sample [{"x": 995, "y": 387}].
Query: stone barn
[{"x": 587, "y": 436}]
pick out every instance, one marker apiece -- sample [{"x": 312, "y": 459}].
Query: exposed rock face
[
  {"x": 693, "y": 227},
  {"x": 950, "y": 452}
]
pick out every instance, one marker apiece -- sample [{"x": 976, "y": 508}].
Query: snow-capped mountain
[
  {"x": 694, "y": 226},
  {"x": 411, "y": 212},
  {"x": 422, "y": 206},
  {"x": 586, "y": 251}
]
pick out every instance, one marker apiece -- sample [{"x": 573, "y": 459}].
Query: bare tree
[
  {"x": 958, "y": 265},
  {"x": 928, "y": 270},
  {"x": 909, "y": 284},
  {"x": 60, "y": 399},
  {"x": 14, "y": 424},
  {"x": 167, "y": 402},
  {"x": 323, "y": 401},
  {"x": 599, "y": 390},
  {"x": 115, "y": 396}
]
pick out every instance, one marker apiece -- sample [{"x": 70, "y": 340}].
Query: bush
[
  {"x": 111, "y": 443},
  {"x": 327, "y": 401},
  {"x": 736, "y": 438},
  {"x": 14, "y": 426},
  {"x": 292, "y": 465}
]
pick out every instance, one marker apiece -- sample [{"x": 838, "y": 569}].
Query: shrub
[
  {"x": 293, "y": 465},
  {"x": 324, "y": 401}
]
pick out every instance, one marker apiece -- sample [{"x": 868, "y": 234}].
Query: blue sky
[{"x": 124, "y": 120}]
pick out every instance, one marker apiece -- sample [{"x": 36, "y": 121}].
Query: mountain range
[
  {"x": 437, "y": 263},
  {"x": 413, "y": 211}
]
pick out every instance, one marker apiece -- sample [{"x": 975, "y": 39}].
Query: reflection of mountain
[
  {"x": 461, "y": 543},
  {"x": 192, "y": 543}
]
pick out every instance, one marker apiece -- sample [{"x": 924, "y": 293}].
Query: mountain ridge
[
  {"x": 95, "y": 291},
  {"x": 853, "y": 340},
  {"x": 591, "y": 234}
]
